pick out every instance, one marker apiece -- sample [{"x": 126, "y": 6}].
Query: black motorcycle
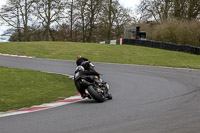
[{"x": 91, "y": 81}]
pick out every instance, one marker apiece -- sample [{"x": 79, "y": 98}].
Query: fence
[{"x": 163, "y": 45}]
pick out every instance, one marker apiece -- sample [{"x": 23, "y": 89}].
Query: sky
[
  {"x": 126, "y": 3},
  {"x": 2, "y": 28},
  {"x": 130, "y": 3}
]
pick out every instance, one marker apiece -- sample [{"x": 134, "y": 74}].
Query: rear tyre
[{"x": 95, "y": 95}]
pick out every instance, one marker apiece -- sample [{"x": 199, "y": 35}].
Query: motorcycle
[{"x": 91, "y": 81}]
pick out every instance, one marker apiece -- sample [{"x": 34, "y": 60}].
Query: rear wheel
[{"x": 95, "y": 95}]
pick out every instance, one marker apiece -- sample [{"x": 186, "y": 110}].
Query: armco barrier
[{"x": 163, "y": 45}]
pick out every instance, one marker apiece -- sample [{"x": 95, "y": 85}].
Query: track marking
[
  {"x": 22, "y": 56},
  {"x": 44, "y": 106}
]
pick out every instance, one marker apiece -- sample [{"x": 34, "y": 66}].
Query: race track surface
[{"x": 146, "y": 99}]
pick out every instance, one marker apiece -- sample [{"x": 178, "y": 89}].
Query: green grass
[
  {"x": 125, "y": 54},
  {"x": 24, "y": 88}
]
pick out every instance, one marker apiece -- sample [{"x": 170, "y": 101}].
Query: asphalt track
[{"x": 145, "y": 100}]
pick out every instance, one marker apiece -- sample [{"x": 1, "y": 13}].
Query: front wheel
[{"x": 95, "y": 95}]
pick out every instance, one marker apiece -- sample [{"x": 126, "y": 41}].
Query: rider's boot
[
  {"x": 109, "y": 96},
  {"x": 84, "y": 95}
]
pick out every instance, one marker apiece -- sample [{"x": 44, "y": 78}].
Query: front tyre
[{"x": 95, "y": 95}]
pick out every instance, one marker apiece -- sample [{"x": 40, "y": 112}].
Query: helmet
[
  {"x": 80, "y": 68},
  {"x": 78, "y": 57}
]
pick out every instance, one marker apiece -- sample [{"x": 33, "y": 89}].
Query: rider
[
  {"x": 85, "y": 65},
  {"x": 81, "y": 61}
]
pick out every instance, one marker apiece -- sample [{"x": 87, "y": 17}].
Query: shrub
[{"x": 175, "y": 31}]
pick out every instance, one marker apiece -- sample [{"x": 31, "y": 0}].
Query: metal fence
[
  {"x": 163, "y": 45},
  {"x": 157, "y": 44}
]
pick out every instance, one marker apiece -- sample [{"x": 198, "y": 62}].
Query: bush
[{"x": 175, "y": 31}]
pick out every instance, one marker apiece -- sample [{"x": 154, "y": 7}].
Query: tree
[
  {"x": 48, "y": 12},
  {"x": 111, "y": 16},
  {"x": 10, "y": 16},
  {"x": 107, "y": 16},
  {"x": 122, "y": 18},
  {"x": 113, "y": 19},
  {"x": 26, "y": 9},
  {"x": 72, "y": 20},
  {"x": 17, "y": 15},
  {"x": 82, "y": 21},
  {"x": 161, "y": 10},
  {"x": 93, "y": 10},
  {"x": 194, "y": 9},
  {"x": 72, "y": 15},
  {"x": 158, "y": 10}
]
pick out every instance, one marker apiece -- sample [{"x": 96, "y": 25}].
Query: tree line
[
  {"x": 175, "y": 21},
  {"x": 162, "y": 10},
  {"x": 61, "y": 20}
]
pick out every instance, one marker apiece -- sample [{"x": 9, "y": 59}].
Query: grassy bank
[
  {"x": 24, "y": 88},
  {"x": 103, "y": 53}
]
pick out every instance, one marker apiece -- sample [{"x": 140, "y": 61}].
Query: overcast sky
[
  {"x": 126, "y": 3},
  {"x": 130, "y": 3}
]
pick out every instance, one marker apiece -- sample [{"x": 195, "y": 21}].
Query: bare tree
[
  {"x": 72, "y": 15},
  {"x": 93, "y": 10},
  {"x": 113, "y": 17},
  {"x": 158, "y": 10},
  {"x": 82, "y": 6},
  {"x": 17, "y": 15},
  {"x": 194, "y": 9},
  {"x": 71, "y": 20},
  {"x": 122, "y": 18},
  {"x": 25, "y": 11},
  {"x": 161, "y": 10},
  {"x": 49, "y": 11}
]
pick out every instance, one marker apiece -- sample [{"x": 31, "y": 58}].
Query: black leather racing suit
[{"x": 88, "y": 70}]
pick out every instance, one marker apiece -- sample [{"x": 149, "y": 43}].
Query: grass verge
[
  {"x": 125, "y": 54},
  {"x": 24, "y": 88}
]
